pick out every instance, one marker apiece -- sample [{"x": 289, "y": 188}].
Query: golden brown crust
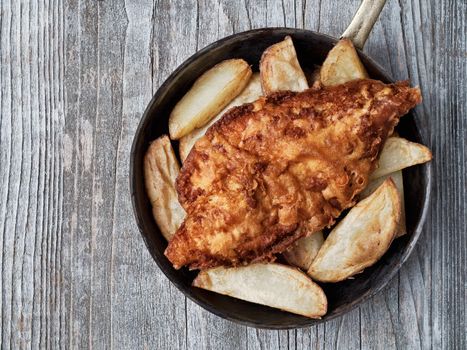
[{"x": 269, "y": 167}]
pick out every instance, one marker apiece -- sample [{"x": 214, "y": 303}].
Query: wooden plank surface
[{"x": 76, "y": 76}]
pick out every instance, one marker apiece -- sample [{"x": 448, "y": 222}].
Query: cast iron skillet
[{"x": 311, "y": 48}]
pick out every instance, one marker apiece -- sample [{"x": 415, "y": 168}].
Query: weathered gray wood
[{"x": 75, "y": 77}]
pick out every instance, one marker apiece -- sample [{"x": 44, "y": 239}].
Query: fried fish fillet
[{"x": 269, "y": 171}]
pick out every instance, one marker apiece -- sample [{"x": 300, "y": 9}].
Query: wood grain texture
[{"x": 75, "y": 78}]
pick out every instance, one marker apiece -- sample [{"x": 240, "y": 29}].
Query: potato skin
[
  {"x": 361, "y": 238},
  {"x": 250, "y": 93},
  {"x": 399, "y": 182},
  {"x": 275, "y": 285},
  {"x": 342, "y": 65},
  {"x": 210, "y": 93},
  {"x": 303, "y": 251},
  {"x": 280, "y": 69},
  {"x": 160, "y": 172},
  {"x": 399, "y": 153}
]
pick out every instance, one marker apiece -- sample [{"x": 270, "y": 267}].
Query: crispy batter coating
[{"x": 270, "y": 171}]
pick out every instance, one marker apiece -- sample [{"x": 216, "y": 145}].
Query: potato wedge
[
  {"x": 342, "y": 65},
  {"x": 361, "y": 238},
  {"x": 160, "y": 172},
  {"x": 399, "y": 182},
  {"x": 280, "y": 69},
  {"x": 251, "y": 93},
  {"x": 275, "y": 285},
  {"x": 210, "y": 93},
  {"x": 303, "y": 251},
  {"x": 399, "y": 153}
]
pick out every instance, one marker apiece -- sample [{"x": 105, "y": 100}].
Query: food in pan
[
  {"x": 398, "y": 181},
  {"x": 160, "y": 172},
  {"x": 342, "y": 65},
  {"x": 303, "y": 251},
  {"x": 250, "y": 93},
  {"x": 266, "y": 174},
  {"x": 361, "y": 238},
  {"x": 280, "y": 70},
  {"x": 208, "y": 96},
  {"x": 288, "y": 161},
  {"x": 399, "y": 153},
  {"x": 275, "y": 285}
]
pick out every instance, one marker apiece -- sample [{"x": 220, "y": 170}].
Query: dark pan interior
[{"x": 311, "y": 48}]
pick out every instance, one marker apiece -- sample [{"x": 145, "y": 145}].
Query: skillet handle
[{"x": 363, "y": 21}]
